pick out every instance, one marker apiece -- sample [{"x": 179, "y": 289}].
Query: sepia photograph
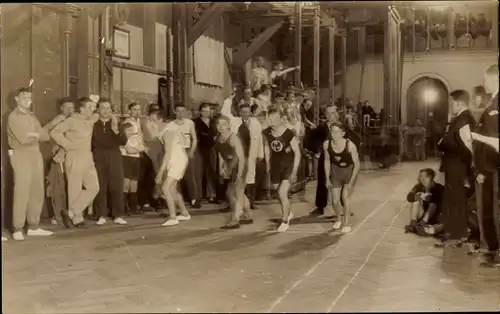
[{"x": 250, "y": 157}]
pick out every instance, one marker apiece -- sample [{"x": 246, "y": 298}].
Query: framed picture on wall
[{"x": 121, "y": 43}]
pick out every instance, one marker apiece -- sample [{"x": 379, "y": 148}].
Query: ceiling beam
[
  {"x": 244, "y": 55},
  {"x": 207, "y": 18}
]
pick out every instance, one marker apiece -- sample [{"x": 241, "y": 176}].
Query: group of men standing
[{"x": 470, "y": 158}]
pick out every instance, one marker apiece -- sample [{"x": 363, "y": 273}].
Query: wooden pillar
[
  {"x": 316, "y": 60},
  {"x": 331, "y": 61},
  {"x": 298, "y": 42},
  {"x": 343, "y": 58}
]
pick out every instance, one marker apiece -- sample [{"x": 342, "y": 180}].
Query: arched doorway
[{"x": 427, "y": 102}]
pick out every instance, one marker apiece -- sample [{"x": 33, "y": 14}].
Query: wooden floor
[{"x": 196, "y": 267}]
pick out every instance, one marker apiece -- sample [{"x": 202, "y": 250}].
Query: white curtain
[{"x": 208, "y": 55}]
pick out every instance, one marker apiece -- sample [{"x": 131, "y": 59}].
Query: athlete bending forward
[
  {"x": 174, "y": 164},
  {"x": 341, "y": 170},
  {"x": 282, "y": 154},
  {"x": 229, "y": 146}
]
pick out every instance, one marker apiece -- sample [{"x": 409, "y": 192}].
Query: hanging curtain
[{"x": 208, "y": 55}]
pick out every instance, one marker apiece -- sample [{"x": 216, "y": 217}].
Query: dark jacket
[{"x": 485, "y": 157}]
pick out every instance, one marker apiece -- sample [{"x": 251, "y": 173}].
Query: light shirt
[
  {"x": 184, "y": 127},
  {"x": 260, "y": 76},
  {"x": 20, "y": 123},
  {"x": 74, "y": 133},
  {"x": 177, "y": 148}
]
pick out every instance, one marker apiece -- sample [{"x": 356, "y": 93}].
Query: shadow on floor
[
  {"x": 226, "y": 242},
  {"x": 466, "y": 274},
  {"x": 317, "y": 242}
]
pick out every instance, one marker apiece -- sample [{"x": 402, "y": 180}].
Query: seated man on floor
[{"x": 425, "y": 201}]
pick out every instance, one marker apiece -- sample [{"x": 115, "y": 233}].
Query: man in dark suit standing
[
  {"x": 486, "y": 160},
  {"x": 456, "y": 146}
]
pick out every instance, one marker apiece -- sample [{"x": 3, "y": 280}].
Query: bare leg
[
  {"x": 233, "y": 203},
  {"x": 179, "y": 200},
  {"x": 416, "y": 211},
  {"x": 243, "y": 202},
  {"x": 337, "y": 207},
  {"x": 336, "y": 203},
  {"x": 286, "y": 214},
  {"x": 346, "y": 200},
  {"x": 169, "y": 192}
]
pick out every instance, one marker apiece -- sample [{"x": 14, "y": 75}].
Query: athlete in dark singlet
[
  {"x": 341, "y": 170},
  {"x": 282, "y": 153},
  {"x": 230, "y": 147}
]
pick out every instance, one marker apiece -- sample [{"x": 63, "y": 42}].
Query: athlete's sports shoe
[
  {"x": 283, "y": 227},
  {"x": 183, "y": 217},
  {"x": 337, "y": 225},
  {"x": 170, "y": 222},
  {"x": 346, "y": 229}
]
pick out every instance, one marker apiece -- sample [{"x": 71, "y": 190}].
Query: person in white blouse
[{"x": 260, "y": 76}]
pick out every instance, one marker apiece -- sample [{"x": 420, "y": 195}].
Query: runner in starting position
[
  {"x": 282, "y": 154},
  {"x": 341, "y": 170},
  {"x": 174, "y": 164},
  {"x": 230, "y": 147}
]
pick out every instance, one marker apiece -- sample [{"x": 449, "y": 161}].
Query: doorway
[{"x": 427, "y": 104}]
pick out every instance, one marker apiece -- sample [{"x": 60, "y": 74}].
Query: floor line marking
[
  {"x": 365, "y": 262},
  {"x": 333, "y": 251}
]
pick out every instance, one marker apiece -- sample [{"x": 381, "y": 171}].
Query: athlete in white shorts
[{"x": 173, "y": 166}]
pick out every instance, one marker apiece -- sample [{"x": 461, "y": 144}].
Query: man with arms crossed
[
  {"x": 74, "y": 135},
  {"x": 24, "y": 133},
  {"x": 174, "y": 164},
  {"x": 282, "y": 155},
  {"x": 230, "y": 148},
  {"x": 341, "y": 171}
]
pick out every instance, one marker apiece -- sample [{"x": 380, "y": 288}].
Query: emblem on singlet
[
  {"x": 276, "y": 146},
  {"x": 337, "y": 158},
  {"x": 343, "y": 164}
]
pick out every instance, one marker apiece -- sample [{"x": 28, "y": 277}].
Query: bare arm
[
  {"x": 294, "y": 145},
  {"x": 167, "y": 138},
  {"x": 194, "y": 139},
  {"x": 491, "y": 141},
  {"x": 466, "y": 136},
  {"x": 288, "y": 70},
  {"x": 58, "y": 133},
  {"x": 357, "y": 164},
  {"x": 255, "y": 133},
  {"x": 267, "y": 152},
  {"x": 327, "y": 164},
  {"x": 240, "y": 154}
]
